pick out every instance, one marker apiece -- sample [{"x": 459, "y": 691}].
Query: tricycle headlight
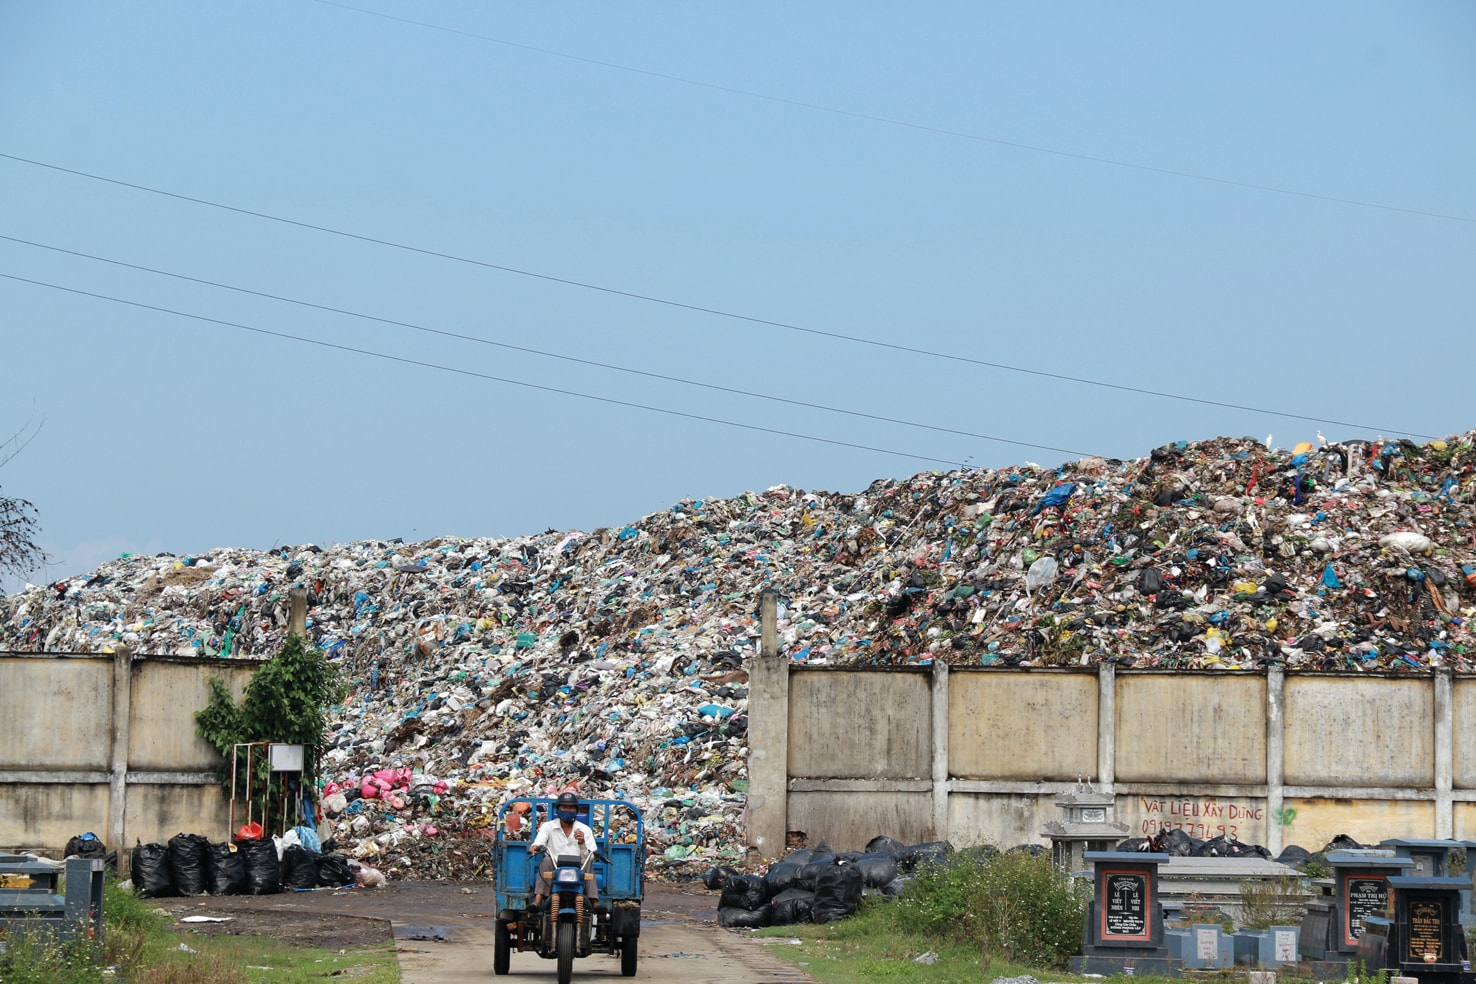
[{"x": 568, "y": 877}]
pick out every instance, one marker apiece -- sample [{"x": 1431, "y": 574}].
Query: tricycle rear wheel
[
  {"x": 628, "y": 956},
  {"x": 501, "y": 950},
  {"x": 566, "y": 952}
]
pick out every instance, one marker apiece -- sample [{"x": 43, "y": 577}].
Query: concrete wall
[
  {"x": 106, "y": 743},
  {"x": 979, "y": 755}
]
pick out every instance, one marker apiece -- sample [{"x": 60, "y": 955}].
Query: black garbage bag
[
  {"x": 1034, "y": 850},
  {"x": 792, "y": 906},
  {"x": 927, "y": 853},
  {"x": 717, "y": 877},
  {"x": 1342, "y": 842},
  {"x": 1294, "y": 855},
  {"x": 227, "y": 870},
  {"x": 1175, "y": 843},
  {"x": 152, "y": 875},
  {"x": 802, "y": 856},
  {"x": 88, "y": 846},
  {"x": 187, "y": 856},
  {"x": 976, "y": 855},
  {"x": 837, "y": 893},
  {"x": 1150, "y": 581},
  {"x": 85, "y": 846},
  {"x": 876, "y": 869},
  {"x": 334, "y": 871},
  {"x": 883, "y": 844},
  {"x": 744, "y": 892},
  {"x": 896, "y": 886},
  {"x": 781, "y": 875},
  {"x": 810, "y": 874},
  {"x": 263, "y": 870},
  {"x": 1134, "y": 844},
  {"x": 745, "y": 918},
  {"x": 299, "y": 868}
]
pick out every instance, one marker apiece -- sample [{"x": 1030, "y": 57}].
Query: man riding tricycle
[{"x": 574, "y": 888}]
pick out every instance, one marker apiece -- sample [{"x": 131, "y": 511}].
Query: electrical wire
[
  {"x": 548, "y": 355},
  {"x": 750, "y": 319},
  {"x": 906, "y": 124},
  {"x": 482, "y": 375}
]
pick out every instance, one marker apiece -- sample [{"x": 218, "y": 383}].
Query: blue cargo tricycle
[{"x": 566, "y": 928}]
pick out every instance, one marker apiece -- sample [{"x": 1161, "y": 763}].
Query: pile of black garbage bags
[
  {"x": 191, "y": 865},
  {"x": 818, "y": 884},
  {"x": 1176, "y": 843}
]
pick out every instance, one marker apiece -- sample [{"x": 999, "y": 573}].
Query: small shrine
[{"x": 1087, "y": 825}]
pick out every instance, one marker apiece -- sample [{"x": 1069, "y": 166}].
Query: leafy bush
[
  {"x": 1018, "y": 907},
  {"x": 1271, "y": 902}
]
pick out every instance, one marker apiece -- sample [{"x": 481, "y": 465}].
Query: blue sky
[{"x": 581, "y": 162}]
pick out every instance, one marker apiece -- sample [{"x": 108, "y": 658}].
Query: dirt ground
[
  {"x": 339, "y": 918},
  {"x": 443, "y": 931}
]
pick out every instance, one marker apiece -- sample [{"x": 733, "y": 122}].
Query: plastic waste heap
[{"x": 484, "y": 669}]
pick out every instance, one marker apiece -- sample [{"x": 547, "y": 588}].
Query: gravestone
[
  {"x": 1431, "y": 857},
  {"x": 1426, "y": 939},
  {"x": 1086, "y": 826},
  {"x": 1124, "y": 921},
  {"x": 1331, "y": 927}
]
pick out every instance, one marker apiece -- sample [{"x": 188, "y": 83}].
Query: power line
[
  {"x": 482, "y": 375},
  {"x": 749, "y": 319},
  {"x": 906, "y": 124},
  {"x": 550, "y": 355}
]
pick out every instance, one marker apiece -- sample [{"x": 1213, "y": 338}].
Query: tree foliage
[
  {"x": 19, "y": 552},
  {"x": 285, "y": 701}
]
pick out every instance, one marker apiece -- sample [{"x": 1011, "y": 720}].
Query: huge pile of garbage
[{"x": 614, "y": 660}]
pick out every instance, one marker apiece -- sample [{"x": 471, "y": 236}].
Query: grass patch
[
  {"x": 141, "y": 945},
  {"x": 996, "y": 916}
]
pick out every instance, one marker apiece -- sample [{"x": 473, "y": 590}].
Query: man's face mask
[{"x": 567, "y": 816}]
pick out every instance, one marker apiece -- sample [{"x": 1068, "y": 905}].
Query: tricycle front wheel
[
  {"x": 566, "y": 952},
  {"x": 628, "y": 956}
]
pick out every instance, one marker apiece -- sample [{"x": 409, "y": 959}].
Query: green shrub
[{"x": 1015, "y": 906}]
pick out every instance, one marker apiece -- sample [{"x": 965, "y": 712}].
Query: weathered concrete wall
[
  {"x": 47, "y": 815},
  {"x": 847, "y": 820},
  {"x": 157, "y": 812},
  {"x": 859, "y": 724},
  {"x": 108, "y": 745},
  {"x": 55, "y": 713},
  {"x": 1269, "y": 757},
  {"x": 160, "y": 742},
  {"x": 1365, "y": 820},
  {"x": 1011, "y": 726},
  {"x": 1343, "y": 731},
  {"x": 1463, "y": 740},
  {"x": 1187, "y": 729}
]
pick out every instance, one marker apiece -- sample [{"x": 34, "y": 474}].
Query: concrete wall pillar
[
  {"x": 1444, "y": 737},
  {"x": 940, "y": 750},
  {"x": 118, "y": 758},
  {"x": 297, "y": 617},
  {"x": 1106, "y": 727},
  {"x": 1275, "y": 757},
  {"x": 768, "y": 740}
]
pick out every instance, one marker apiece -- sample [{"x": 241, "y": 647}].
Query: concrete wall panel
[
  {"x": 1367, "y": 821},
  {"x": 1035, "y": 726},
  {"x": 155, "y": 813},
  {"x": 161, "y": 724},
  {"x": 846, "y": 820},
  {"x": 1241, "y": 817},
  {"x": 861, "y": 725},
  {"x": 1464, "y": 817},
  {"x": 1191, "y": 728},
  {"x": 55, "y": 713},
  {"x": 44, "y": 816},
  {"x": 1463, "y": 739},
  {"x": 1002, "y": 820},
  {"x": 1344, "y": 731}
]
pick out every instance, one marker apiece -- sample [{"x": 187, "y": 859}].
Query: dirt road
[{"x": 443, "y": 933}]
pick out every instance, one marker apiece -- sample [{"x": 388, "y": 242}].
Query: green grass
[{"x": 143, "y": 948}]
